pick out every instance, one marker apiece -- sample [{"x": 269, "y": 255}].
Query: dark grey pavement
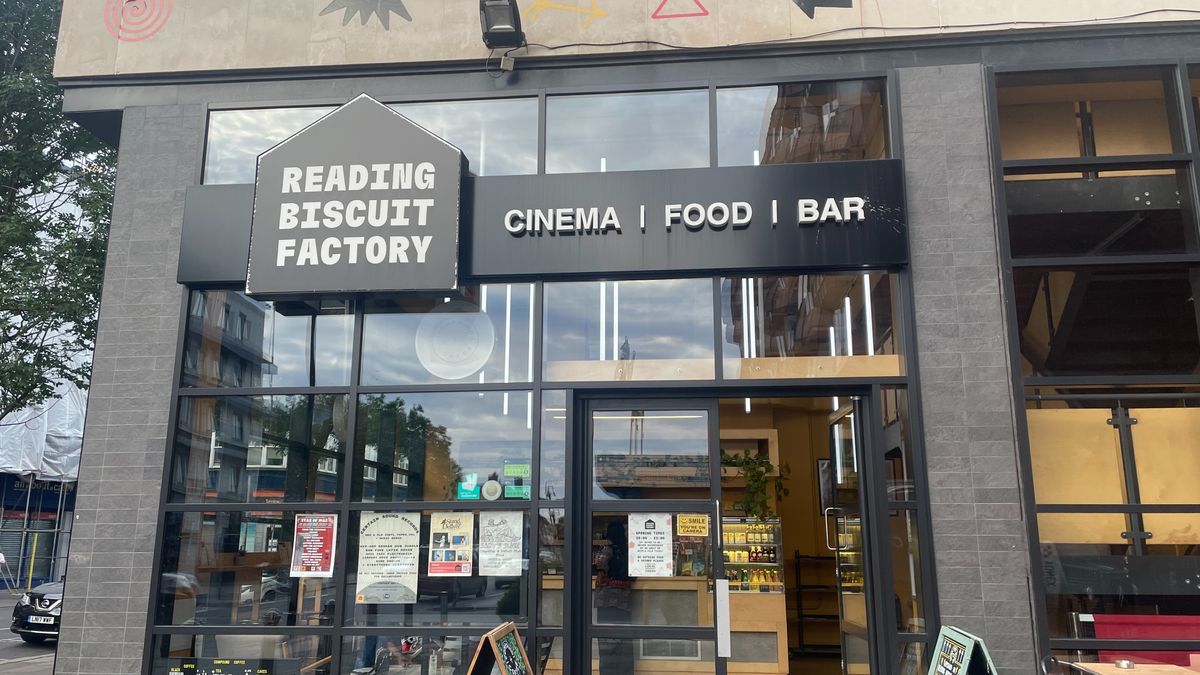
[{"x": 19, "y": 658}]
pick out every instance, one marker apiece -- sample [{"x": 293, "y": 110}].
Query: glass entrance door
[
  {"x": 843, "y": 521},
  {"x": 651, "y": 536}
]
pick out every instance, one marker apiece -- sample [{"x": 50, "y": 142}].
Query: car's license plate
[{"x": 41, "y": 619}]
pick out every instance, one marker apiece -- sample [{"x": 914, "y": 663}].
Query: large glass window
[
  {"x": 259, "y": 449},
  {"x": 627, "y": 132},
  {"x": 834, "y": 325},
  {"x": 484, "y": 336},
  {"x": 234, "y": 340},
  {"x": 810, "y": 122},
  {"x": 237, "y": 137},
  {"x": 460, "y": 446},
  {"x": 629, "y": 330}
]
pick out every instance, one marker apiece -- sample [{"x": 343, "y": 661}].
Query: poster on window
[
  {"x": 313, "y": 544},
  {"x": 450, "y": 544},
  {"x": 501, "y": 535},
  {"x": 389, "y": 555},
  {"x": 650, "y": 545}
]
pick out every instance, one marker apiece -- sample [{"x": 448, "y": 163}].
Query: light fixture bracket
[{"x": 500, "y": 21}]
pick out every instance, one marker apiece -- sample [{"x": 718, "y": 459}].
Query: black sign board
[
  {"x": 501, "y": 648},
  {"x": 960, "y": 653},
  {"x": 361, "y": 200},
  {"x": 791, "y": 216}
]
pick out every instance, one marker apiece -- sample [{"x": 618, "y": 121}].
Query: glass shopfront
[{"x": 614, "y": 464}]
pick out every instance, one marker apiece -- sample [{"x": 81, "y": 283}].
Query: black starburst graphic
[{"x": 380, "y": 8}]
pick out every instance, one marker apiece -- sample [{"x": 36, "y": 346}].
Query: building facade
[{"x": 716, "y": 336}]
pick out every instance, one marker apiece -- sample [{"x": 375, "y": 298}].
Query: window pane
[
  {"x": 912, "y": 658},
  {"x": 233, "y": 340},
  {"x": 906, "y": 570},
  {"x": 629, "y": 330},
  {"x": 812, "y": 122},
  {"x": 233, "y": 568},
  {"x": 382, "y": 654},
  {"x": 259, "y": 449},
  {"x": 1087, "y": 113},
  {"x": 1099, "y": 586},
  {"x": 552, "y": 540},
  {"x": 627, "y": 132},
  {"x": 1110, "y": 656},
  {"x": 306, "y": 654},
  {"x": 425, "y": 568},
  {"x": 1115, "y": 214},
  {"x": 499, "y": 137},
  {"x": 1166, "y": 446},
  {"x": 1108, "y": 320},
  {"x": 900, "y": 468},
  {"x": 237, "y": 137},
  {"x": 461, "y": 446},
  {"x": 630, "y": 655},
  {"x": 1076, "y": 456},
  {"x": 833, "y": 325},
  {"x": 554, "y": 445},
  {"x": 483, "y": 337},
  {"x": 650, "y": 454}
]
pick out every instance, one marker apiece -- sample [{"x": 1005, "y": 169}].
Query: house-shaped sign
[{"x": 361, "y": 200}]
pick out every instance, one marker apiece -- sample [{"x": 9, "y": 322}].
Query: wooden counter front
[{"x": 759, "y": 613}]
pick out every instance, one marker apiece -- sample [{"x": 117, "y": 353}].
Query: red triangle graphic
[{"x": 658, "y": 13}]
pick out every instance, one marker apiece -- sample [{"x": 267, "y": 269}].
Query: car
[{"x": 38, "y": 613}]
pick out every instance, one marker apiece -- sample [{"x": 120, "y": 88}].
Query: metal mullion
[
  {"x": 256, "y": 507},
  {"x": 195, "y": 392},
  {"x": 713, "y": 130},
  {"x": 651, "y": 505},
  {"x": 815, "y": 386},
  {"x": 873, "y": 518},
  {"x": 652, "y": 632},
  {"x": 1122, "y": 261},
  {"x": 1139, "y": 645},
  {"x": 533, "y": 567},
  {"x": 1118, "y": 508},
  {"x": 718, "y": 353},
  {"x": 541, "y": 133},
  {"x": 1107, "y": 162},
  {"x": 242, "y": 629},
  {"x": 499, "y": 505},
  {"x": 1116, "y": 380},
  {"x": 576, "y": 587},
  {"x": 436, "y": 388}
]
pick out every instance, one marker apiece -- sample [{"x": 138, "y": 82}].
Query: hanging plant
[{"x": 759, "y": 473}]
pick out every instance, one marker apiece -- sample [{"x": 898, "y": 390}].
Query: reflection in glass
[
  {"x": 554, "y": 444},
  {"x": 1115, "y": 214},
  {"x": 237, "y": 137},
  {"x": 1076, "y": 456},
  {"x": 259, "y": 449},
  {"x": 623, "y": 595},
  {"x": 912, "y": 658},
  {"x": 552, "y": 539},
  {"x": 1109, "y": 656},
  {"x": 232, "y": 568},
  {"x": 1107, "y": 320},
  {"x": 628, "y": 330},
  {"x": 1166, "y": 445},
  {"x": 906, "y": 570},
  {"x": 233, "y": 340},
  {"x": 643, "y": 655},
  {"x": 650, "y": 454},
  {"x": 627, "y": 132},
  {"x": 899, "y": 469},
  {"x": 811, "y": 122},
  {"x": 307, "y": 654},
  {"x": 474, "y": 599},
  {"x": 384, "y": 653},
  {"x": 498, "y": 137},
  {"x": 808, "y": 326},
  {"x": 459, "y": 446},
  {"x": 483, "y": 337},
  {"x": 1098, "y": 584},
  {"x": 1092, "y": 113}
]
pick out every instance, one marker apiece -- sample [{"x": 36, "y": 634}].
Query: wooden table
[{"x": 1139, "y": 669}]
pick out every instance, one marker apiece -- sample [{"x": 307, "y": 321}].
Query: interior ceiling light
[{"x": 501, "y": 23}]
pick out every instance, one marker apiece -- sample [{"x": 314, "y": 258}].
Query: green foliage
[
  {"x": 761, "y": 479},
  {"x": 56, "y": 185}
]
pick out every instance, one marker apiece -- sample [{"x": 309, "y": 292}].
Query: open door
[{"x": 845, "y": 536}]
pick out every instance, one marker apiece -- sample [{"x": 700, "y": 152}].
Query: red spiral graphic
[{"x": 135, "y": 20}]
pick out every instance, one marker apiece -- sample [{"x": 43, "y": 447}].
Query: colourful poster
[
  {"x": 501, "y": 535},
  {"x": 389, "y": 552},
  {"x": 691, "y": 525},
  {"x": 313, "y": 544},
  {"x": 450, "y": 544},
  {"x": 651, "y": 545}
]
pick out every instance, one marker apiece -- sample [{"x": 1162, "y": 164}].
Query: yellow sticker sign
[{"x": 691, "y": 525}]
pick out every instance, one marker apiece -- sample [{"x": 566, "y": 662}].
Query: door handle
[{"x": 825, "y": 523}]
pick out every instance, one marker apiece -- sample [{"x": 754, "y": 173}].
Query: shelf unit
[
  {"x": 752, "y": 555},
  {"x": 804, "y": 593}
]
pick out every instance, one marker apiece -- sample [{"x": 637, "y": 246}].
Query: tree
[{"x": 56, "y": 185}]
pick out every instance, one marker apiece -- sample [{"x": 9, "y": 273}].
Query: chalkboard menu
[
  {"x": 960, "y": 653},
  {"x": 501, "y": 647},
  {"x": 213, "y": 666}
]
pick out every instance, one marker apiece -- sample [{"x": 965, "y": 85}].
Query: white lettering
[
  {"x": 401, "y": 217},
  {"x": 854, "y": 207},
  {"x": 831, "y": 211},
  {"x": 423, "y": 206},
  {"x": 425, "y": 174},
  {"x": 310, "y": 215},
  {"x": 354, "y": 213},
  {"x": 287, "y": 249},
  {"x": 396, "y": 252},
  {"x": 308, "y": 253},
  {"x": 358, "y": 177},
  {"x": 291, "y": 179},
  {"x": 337, "y": 179},
  {"x": 333, "y": 214},
  {"x": 808, "y": 210},
  {"x": 287, "y": 216},
  {"x": 742, "y": 214},
  {"x": 718, "y": 215},
  {"x": 312, "y": 178},
  {"x": 693, "y": 216},
  {"x": 353, "y": 243},
  {"x": 377, "y": 249},
  {"x": 422, "y": 245},
  {"x": 672, "y": 214},
  {"x": 328, "y": 256},
  {"x": 514, "y": 221}
]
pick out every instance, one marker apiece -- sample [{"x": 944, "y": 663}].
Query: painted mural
[{"x": 116, "y": 37}]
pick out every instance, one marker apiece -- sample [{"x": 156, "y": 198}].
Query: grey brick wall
[
  {"x": 109, "y": 571},
  {"x": 979, "y": 533}
]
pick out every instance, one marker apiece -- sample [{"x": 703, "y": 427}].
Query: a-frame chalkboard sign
[
  {"x": 960, "y": 653},
  {"x": 501, "y": 647}
]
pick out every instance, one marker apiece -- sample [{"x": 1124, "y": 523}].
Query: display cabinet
[{"x": 753, "y": 554}]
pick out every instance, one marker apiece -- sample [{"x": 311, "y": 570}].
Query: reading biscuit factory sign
[{"x": 361, "y": 200}]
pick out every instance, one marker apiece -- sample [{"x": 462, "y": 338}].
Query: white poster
[
  {"x": 650, "y": 545},
  {"x": 501, "y": 535},
  {"x": 389, "y": 552},
  {"x": 450, "y": 544}
]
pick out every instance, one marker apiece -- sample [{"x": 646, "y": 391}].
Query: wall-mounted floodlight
[{"x": 501, "y": 23}]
